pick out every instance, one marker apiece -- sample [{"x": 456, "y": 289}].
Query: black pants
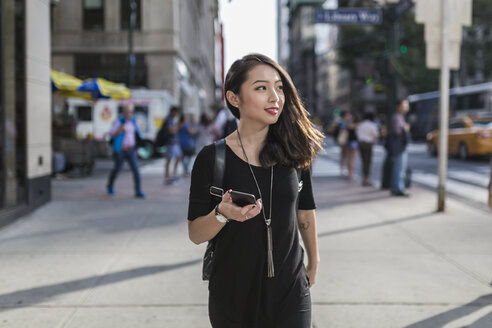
[{"x": 366, "y": 156}]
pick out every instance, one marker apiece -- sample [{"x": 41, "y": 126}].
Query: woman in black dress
[{"x": 259, "y": 279}]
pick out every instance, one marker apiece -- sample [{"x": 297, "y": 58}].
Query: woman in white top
[{"x": 367, "y": 134}]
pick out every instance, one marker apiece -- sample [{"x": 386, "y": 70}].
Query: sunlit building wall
[
  {"x": 174, "y": 45},
  {"x": 25, "y": 119}
]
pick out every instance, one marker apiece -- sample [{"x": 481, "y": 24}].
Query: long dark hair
[{"x": 292, "y": 141}]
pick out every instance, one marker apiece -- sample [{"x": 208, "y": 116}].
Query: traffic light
[{"x": 403, "y": 49}]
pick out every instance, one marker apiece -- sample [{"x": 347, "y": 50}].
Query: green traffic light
[{"x": 403, "y": 49}]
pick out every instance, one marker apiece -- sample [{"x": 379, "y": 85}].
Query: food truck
[{"x": 95, "y": 118}]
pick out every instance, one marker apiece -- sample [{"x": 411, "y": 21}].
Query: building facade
[
  {"x": 25, "y": 115},
  {"x": 173, "y": 45},
  {"x": 283, "y": 50},
  {"x": 302, "y": 57}
]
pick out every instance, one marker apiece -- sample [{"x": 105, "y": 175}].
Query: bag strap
[{"x": 219, "y": 165}]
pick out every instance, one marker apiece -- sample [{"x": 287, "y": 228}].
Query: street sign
[
  {"x": 349, "y": 16},
  {"x": 430, "y": 13}
]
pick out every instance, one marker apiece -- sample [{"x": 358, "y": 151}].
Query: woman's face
[{"x": 261, "y": 97}]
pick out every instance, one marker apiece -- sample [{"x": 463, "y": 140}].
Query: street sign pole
[
  {"x": 443, "y": 109},
  {"x": 131, "y": 52}
]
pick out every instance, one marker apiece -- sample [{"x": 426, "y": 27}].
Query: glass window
[
  {"x": 457, "y": 125},
  {"x": 93, "y": 14},
  {"x": 471, "y": 101},
  {"x": 483, "y": 123},
  {"x": 84, "y": 113},
  {"x": 113, "y": 67},
  {"x": 125, "y": 14}
]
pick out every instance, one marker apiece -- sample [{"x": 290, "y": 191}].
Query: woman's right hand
[{"x": 233, "y": 212}]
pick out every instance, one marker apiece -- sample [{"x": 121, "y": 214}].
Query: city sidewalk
[{"x": 90, "y": 260}]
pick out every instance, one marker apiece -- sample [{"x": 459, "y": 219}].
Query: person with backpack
[
  {"x": 173, "y": 149},
  {"x": 341, "y": 136},
  {"x": 258, "y": 278},
  {"x": 187, "y": 141},
  {"x": 124, "y": 135}
]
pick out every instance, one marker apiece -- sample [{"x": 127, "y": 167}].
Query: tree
[{"x": 410, "y": 63}]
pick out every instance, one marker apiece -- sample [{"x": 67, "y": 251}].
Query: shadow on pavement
[
  {"x": 447, "y": 317},
  {"x": 29, "y": 297},
  {"x": 104, "y": 217},
  {"x": 375, "y": 225},
  {"x": 330, "y": 192}
]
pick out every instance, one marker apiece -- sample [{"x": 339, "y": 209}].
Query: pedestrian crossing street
[
  {"x": 467, "y": 190},
  {"x": 462, "y": 183}
]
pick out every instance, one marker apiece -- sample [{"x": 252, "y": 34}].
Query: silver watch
[{"x": 220, "y": 217}]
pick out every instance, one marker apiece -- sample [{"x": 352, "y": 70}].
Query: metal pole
[
  {"x": 131, "y": 54},
  {"x": 443, "y": 109},
  {"x": 394, "y": 41},
  {"x": 490, "y": 185},
  {"x": 392, "y": 83}
]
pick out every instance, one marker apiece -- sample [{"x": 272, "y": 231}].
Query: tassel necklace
[{"x": 268, "y": 222}]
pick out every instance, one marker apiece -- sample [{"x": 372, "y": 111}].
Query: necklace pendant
[
  {"x": 268, "y": 222},
  {"x": 270, "y": 266}
]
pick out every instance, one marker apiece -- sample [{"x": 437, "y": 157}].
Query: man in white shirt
[
  {"x": 224, "y": 116},
  {"x": 367, "y": 134}
]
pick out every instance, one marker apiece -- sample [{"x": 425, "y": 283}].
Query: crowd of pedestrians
[
  {"x": 184, "y": 135},
  {"x": 357, "y": 136}
]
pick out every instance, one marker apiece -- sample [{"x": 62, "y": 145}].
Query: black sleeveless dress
[{"x": 240, "y": 294}]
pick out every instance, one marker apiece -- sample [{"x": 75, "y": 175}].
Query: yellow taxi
[{"x": 468, "y": 136}]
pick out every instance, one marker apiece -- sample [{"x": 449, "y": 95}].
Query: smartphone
[{"x": 241, "y": 198}]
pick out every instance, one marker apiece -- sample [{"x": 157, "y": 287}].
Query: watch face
[{"x": 221, "y": 218}]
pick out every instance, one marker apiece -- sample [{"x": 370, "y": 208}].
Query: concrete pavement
[{"x": 91, "y": 260}]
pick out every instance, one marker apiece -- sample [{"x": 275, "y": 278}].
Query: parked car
[{"x": 468, "y": 136}]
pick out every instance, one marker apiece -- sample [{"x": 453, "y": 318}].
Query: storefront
[{"x": 24, "y": 100}]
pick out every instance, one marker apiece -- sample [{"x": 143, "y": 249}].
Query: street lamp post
[
  {"x": 131, "y": 53},
  {"x": 391, "y": 24},
  {"x": 392, "y": 35}
]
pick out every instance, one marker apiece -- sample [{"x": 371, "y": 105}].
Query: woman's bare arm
[{"x": 306, "y": 221}]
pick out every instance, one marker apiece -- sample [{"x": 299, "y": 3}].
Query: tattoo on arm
[{"x": 304, "y": 225}]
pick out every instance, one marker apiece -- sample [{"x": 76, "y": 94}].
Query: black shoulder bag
[{"x": 218, "y": 175}]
